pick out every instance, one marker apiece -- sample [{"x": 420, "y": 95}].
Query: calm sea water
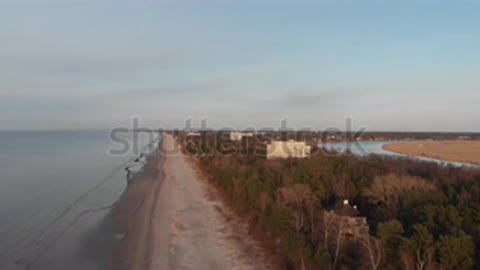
[
  {"x": 365, "y": 148},
  {"x": 361, "y": 148},
  {"x": 56, "y": 192}
]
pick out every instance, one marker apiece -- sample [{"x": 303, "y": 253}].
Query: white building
[
  {"x": 193, "y": 134},
  {"x": 237, "y": 136},
  {"x": 288, "y": 149}
]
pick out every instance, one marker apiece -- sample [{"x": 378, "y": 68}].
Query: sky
[{"x": 387, "y": 65}]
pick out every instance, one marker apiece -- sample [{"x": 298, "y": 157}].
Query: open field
[{"x": 455, "y": 151}]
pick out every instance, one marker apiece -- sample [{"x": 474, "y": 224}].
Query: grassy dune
[{"x": 456, "y": 151}]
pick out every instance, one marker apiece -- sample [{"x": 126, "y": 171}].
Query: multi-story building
[
  {"x": 288, "y": 149},
  {"x": 237, "y": 135}
]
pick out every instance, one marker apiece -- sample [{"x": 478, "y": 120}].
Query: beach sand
[
  {"x": 173, "y": 219},
  {"x": 454, "y": 151},
  {"x": 132, "y": 217}
]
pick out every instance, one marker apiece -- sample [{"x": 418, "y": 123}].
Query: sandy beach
[
  {"x": 454, "y": 151},
  {"x": 171, "y": 218},
  {"x": 132, "y": 217}
]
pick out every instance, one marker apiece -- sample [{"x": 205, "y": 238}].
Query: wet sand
[
  {"x": 132, "y": 217},
  {"x": 173, "y": 219},
  {"x": 453, "y": 151}
]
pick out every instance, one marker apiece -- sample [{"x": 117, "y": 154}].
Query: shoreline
[
  {"x": 466, "y": 152},
  {"x": 132, "y": 215},
  {"x": 193, "y": 227},
  {"x": 171, "y": 217}
]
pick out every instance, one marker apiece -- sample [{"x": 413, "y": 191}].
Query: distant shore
[{"x": 452, "y": 151}]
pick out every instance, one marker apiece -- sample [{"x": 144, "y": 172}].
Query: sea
[{"x": 57, "y": 191}]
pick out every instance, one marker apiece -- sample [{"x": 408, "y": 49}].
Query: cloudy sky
[{"x": 409, "y": 65}]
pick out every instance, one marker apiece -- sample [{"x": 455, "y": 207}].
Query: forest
[{"x": 420, "y": 215}]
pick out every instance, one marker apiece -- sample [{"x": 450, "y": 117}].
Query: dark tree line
[{"x": 421, "y": 215}]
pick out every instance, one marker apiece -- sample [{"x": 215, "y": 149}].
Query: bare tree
[
  {"x": 419, "y": 253},
  {"x": 374, "y": 249},
  {"x": 407, "y": 261},
  {"x": 339, "y": 237},
  {"x": 328, "y": 222},
  {"x": 301, "y": 200},
  {"x": 424, "y": 256},
  {"x": 311, "y": 210},
  {"x": 302, "y": 260}
]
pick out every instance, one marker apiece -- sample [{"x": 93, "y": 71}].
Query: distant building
[
  {"x": 237, "y": 136},
  {"x": 353, "y": 225},
  {"x": 288, "y": 149},
  {"x": 331, "y": 137},
  {"x": 193, "y": 134}
]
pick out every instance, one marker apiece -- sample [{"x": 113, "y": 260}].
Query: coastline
[
  {"x": 171, "y": 217},
  {"x": 264, "y": 249},
  {"x": 193, "y": 228},
  {"x": 132, "y": 216},
  {"x": 466, "y": 152}
]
